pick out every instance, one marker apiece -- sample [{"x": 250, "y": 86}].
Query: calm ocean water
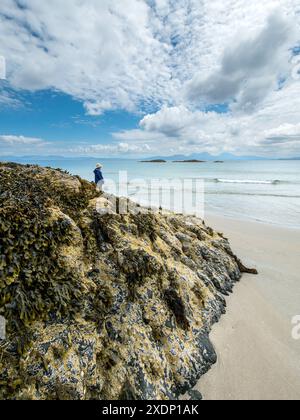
[{"x": 265, "y": 191}]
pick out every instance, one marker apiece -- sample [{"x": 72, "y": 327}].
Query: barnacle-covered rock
[{"x": 100, "y": 305}]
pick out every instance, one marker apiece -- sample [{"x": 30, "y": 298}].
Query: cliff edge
[{"x": 100, "y": 305}]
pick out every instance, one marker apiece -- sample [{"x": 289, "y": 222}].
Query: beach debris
[{"x": 243, "y": 269}]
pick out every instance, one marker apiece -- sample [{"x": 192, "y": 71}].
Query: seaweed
[
  {"x": 146, "y": 225},
  {"x": 34, "y": 280},
  {"x": 176, "y": 305}
]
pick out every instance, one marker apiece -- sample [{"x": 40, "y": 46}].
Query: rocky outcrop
[{"x": 100, "y": 305}]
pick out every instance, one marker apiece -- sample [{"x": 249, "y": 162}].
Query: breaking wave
[{"x": 247, "y": 181}]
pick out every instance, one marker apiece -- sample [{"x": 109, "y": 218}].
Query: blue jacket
[{"x": 98, "y": 175}]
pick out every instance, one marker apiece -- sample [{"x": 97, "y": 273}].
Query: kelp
[{"x": 34, "y": 280}]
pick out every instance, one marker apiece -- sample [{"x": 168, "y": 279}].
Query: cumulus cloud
[
  {"x": 171, "y": 60},
  {"x": 169, "y": 121},
  {"x": 132, "y": 53},
  {"x": 103, "y": 53},
  {"x": 272, "y": 130},
  {"x": 250, "y": 67},
  {"x": 180, "y": 130}
]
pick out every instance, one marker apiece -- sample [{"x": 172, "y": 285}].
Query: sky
[{"x": 128, "y": 78}]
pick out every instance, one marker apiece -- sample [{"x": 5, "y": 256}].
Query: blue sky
[
  {"x": 150, "y": 77},
  {"x": 61, "y": 119}
]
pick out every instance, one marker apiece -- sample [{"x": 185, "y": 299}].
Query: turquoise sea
[{"x": 265, "y": 191}]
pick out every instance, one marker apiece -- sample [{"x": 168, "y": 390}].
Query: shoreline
[
  {"x": 257, "y": 356},
  {"x": 215, "y": 215}
]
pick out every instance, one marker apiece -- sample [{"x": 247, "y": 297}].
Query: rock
[
  {"x": 100, "y": 305},
  {"x": 195, "y": 395}
]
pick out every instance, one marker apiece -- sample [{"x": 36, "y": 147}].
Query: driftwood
[{"x": 241, "y": 266}]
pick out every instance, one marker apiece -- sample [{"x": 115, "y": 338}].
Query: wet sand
[{"x": 257, "y": 356}]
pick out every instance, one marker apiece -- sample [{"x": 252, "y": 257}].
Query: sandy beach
[{"x": 257, "y": 356}]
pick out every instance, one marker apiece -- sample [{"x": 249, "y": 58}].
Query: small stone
[{"x": 195, "y": 395}]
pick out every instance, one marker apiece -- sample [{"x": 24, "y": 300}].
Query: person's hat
[{"x": 99, "y": 166}]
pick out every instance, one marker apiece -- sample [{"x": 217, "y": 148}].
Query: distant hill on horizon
[
  {"x": 195, "y": 156},
  {"x": 208, "y": 157}
]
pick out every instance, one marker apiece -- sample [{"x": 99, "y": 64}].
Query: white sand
[{"x": 258, "y": 358}]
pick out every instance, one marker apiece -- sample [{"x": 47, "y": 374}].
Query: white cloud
[
  {"x": 169, "y": 121},
  {"x": 170, "y": 58},
  {"x": 124, "y": 53},
  {"x": 20, "y": 140},
  {"x": 250, "y": 67},
  {"x": 111, "y": 149},
  {"x": 104, "y": 53},
  {"x": 284, "y": 130},
  {"x": 271, "y": 130},
  {"x": 179, "y": 130},
  {"x": 8, "y": 100}
]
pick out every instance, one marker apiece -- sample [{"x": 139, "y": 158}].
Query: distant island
[
  {"x": 189, "y": 161},
  {"x": 219, "y": 161},
  {"x": 206, "y": 157},
  {"x": 154, "y": 161}
]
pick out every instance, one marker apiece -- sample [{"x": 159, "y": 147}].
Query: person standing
[{"x": 99, "y": 179}]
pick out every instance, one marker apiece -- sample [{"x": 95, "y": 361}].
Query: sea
[{"x": 266, "y": 191}]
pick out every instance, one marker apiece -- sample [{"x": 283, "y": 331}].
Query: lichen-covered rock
[{"x": 100, "y": 305}]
